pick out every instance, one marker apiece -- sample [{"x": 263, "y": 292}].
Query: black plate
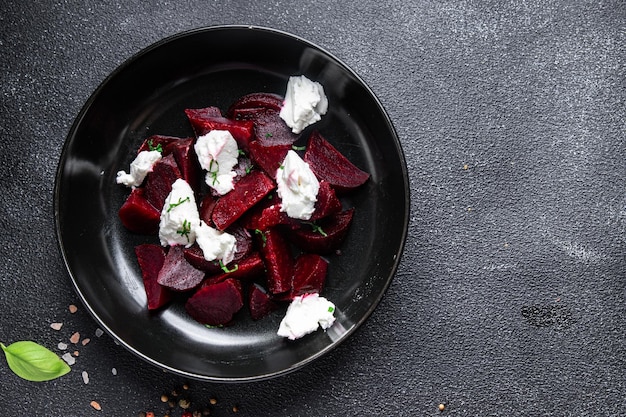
[{"x": 147, "y": 95}]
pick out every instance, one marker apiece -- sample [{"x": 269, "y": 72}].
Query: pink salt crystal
[
  {"x": 56, "y": 326},
  {"x": 75, "y": 338}
]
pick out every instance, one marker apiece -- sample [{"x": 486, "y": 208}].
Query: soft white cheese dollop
[
  {"x": 305, "y": 103},
  {"x": 297, "y": 187},
  {"x": 217, "y": 153},
  {"x": 215, "y": 245},
  {"x": 179, "y": 218},
  {"x": 139, "y": 168},
  {"x": 306, "y": 314}
]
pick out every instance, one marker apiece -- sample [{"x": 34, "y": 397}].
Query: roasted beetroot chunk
[
  {"x": 265, "y": 214},
  {"x": 195, "y": 257},
  {"x": 328, "y": 164},
  {"x": 138, "y": 215},
  {"x": 157, "y": 142},
  {"x": 269, "y": 128},
  {"x": 216, "y": 304},
  {"x": 151, "y": 258},
  {"x": 278, "y": 260},
  {"x": 242, "y": 130},
  {"x": 203, "y": 113},
  {"x": 247, "y": 192},
  {"x": 178, "y": 274},
  {"x": 260, "y": 302},
  {"x": 325, "y": 236},
  {"x": 159, "y": 181},
  {"x": 309, "y": 274},
  {"x": 268, "y": 157},
  {"x": 187, "y": 161},
  {"x": 206, "y": 209},
  {"x": 245, "y": 270},
  {"x": 327, "y": 202},
  {"x": 256, "y": 100}
]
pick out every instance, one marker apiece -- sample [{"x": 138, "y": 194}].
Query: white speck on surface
[
  {"x": 62, "y": 346},
  {"x": 68, "y": 358},
  {"x": 114, "y": 371},
  {"x": 85, "y": 376},
  {"x": 56, "y": 326},
  {"x": 99, "y": 332}
]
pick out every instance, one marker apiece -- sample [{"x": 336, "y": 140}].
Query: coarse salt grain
[
  {"x": 114, "y": 371},
  {"x": 85, "y": 341},
  {"x": 73, "y": 309},
  {"x": 99, "y": 332},
  {"x": 95, "y": 405},
  {"x": 85, "y": 377},
  {"x": 62, "y": 346},
  {"x": 75, "y": 338},
  {"x": 56, "y": 326},
  {"x": 68, "y": 358},
  {"x": 76, "y": 353}
]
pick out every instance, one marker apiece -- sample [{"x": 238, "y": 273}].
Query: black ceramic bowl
[{"x": 147, "y": 95}]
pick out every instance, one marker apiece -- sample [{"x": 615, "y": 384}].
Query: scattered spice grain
[
  {"x": 95, "y": 405},
  {"x": 85, "y": 376},
  {"x": 213, "y": 401},
  {"x": 85, "y": 341},
  {"x": 73, "y": 309},
  {"x": 75, "y": 338},
  {"x": 56, "y": 326},
  {"x": 442, "y": 407}
]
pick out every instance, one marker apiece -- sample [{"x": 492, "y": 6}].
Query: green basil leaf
[{"x": 34, "y": 362}]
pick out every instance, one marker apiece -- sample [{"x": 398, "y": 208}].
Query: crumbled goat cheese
[
  {"x": 306, "y": 314},
  {"x": 139, "y": 168},
  {"x": 297, "y": 187},
  {"x": 215, "y": 245},
  {"x": 179, "y": 217},
  {"x": 217, "y": 153},
  {"x": 305, "y": 103}
]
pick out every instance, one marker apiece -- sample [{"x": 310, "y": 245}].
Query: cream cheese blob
[
  {"x": 215, "y": 245},
  {"x": 297, "y": 187},
  {"x": 139, "y": 168},
  {"x": 305, "y": 103},
  {"x": 306, "y": 314},
  {"x": 217, "y": 154},
  {"x": 179, "y": 218}
]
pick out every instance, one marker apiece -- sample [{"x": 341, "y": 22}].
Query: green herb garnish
[
  {"x": 225, "y": 268},
  {"x": 331, "y": 309},
  {"x": 151, "y": 146},
  {"x": 317, "y": 229},
  {"x": 263, "y": 237},
  {"x": 298, "y": 148},
  {"x": 33, "y": 362},
  {"x": 268, "y": 135},
  {"x": 185, "y": 230},
  {"x": 180, "y": 201}
]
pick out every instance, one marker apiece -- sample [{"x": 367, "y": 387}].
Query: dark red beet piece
[
  {"x": 159, "y": 181},
  {"x": 309, "y": 274},
  {"x": 256, "y": 100},
  {"x": 195, "y": 257},
  {"x": 328, "y": 164},
  {"x": 177, "y": 273},
  {"x": 265, "y": 214},
  {"x": 187, "y": 161},
  {"x": 335, "y": 227},
  {"x": 242, "y": 130},
  {"x": 216, "y": 304},
  {"x": 260, "y": 302},
  {"x": 327, "y": 202},
  {"x": 269, "y": 128},
  {"x": 243, "y": 242},
  {"x": 205, "y": 112},
  {"x": 206, "y": 209},
  {"x": 278, "y": 260},
  {"x": 268, "y": 157},
  {"x": 151, "y": 258},
  {"x": 152, "y": 143},
  {"x": 246, "y": 270},
  {"x": 248, "y": 191},
  {"x": 138, "y": 215}
]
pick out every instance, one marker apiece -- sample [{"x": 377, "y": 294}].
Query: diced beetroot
[
  {"x": 247, "y": 192},
  {"x": 247, "y": 269},
  {"x": 195, "y": 257},
  {"x": 242, "y": 130},
  {"x": 278, "y": 260},
  {"x": 327, "y": 202},
  {"x": 256, "y": 100},
  {"x": 268, "y": 157},
  {"x": 260, "y": 302},
  {"x": 187, "y": 161},
  {"x": 155, "y": 142},
  {"x": 151, "y": 258},
  {"x": 138, "y": 215},
  {"x": 159, "y": 181},
  {"x": 206, "y": 209},
  {"x": 309, "y": 274},
  {"x": 269, "y": 128},
  {"x": 243, "y": 242},
  {"x": 265, "y": 214},
  {"x": 328, "y": 164},
  {"x": 326, "y": 237},
  {"x": 216, "y": 304},
  {"x": 177, "y": 273},
  {"x": 205, "y": 112}
]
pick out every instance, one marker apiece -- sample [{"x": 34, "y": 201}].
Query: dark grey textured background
[{"x": 511, "y": 296}]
